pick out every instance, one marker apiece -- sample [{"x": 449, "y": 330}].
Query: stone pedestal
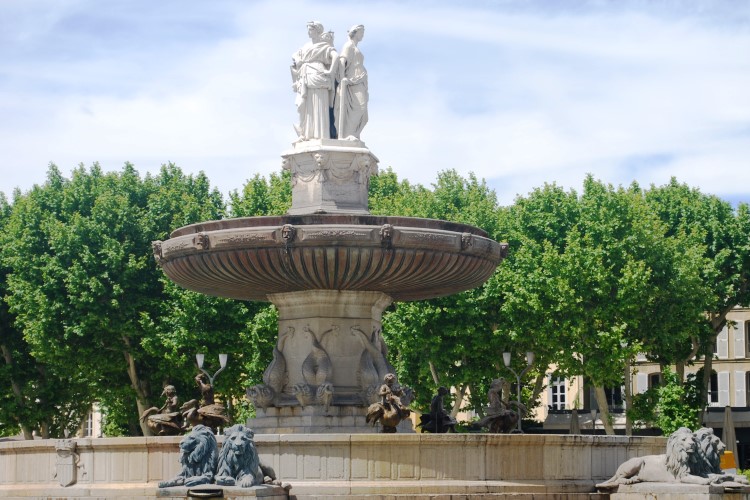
[
  {"x": 680, "y": 491},
  {"x": 328, "y": 364},
  {"x": 329, "y": 176}
]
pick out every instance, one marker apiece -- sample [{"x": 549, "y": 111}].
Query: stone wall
[{"x": 348, "y": 464}]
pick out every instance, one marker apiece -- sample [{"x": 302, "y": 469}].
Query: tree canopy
[{"x": 591, "y": 279}]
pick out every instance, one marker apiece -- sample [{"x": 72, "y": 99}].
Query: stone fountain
[
  {"x": 331, "y": 268},
  {"x": 328, "y": 265}
]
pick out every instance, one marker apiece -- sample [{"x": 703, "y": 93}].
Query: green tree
[
  {"x": 669, "y": 406},
  {"x": 444, "y": 341},
  {"x": 82, "y": 280},
  {"x": 263, "y": 197},
  {"x": 594, "y": 278},
  {"x": 720, "y": 233}
]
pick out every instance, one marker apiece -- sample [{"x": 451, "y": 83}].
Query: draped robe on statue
[
  {"x": 351, "y": 99},
  {"x": 314, "y": 86}
]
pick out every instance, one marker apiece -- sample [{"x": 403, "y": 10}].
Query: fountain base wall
[{"x": 345, "y": 465}]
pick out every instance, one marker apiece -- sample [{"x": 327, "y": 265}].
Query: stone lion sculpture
[
  {"x": 707, "y": 459},
  {"x": 692, "y": 458},
  {"x": 198, "y": 457},
  {"x": 238, "y": 460},
  {"x": 672, "y": 467}
]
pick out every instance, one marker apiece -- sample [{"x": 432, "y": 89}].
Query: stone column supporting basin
[{"x": 328, "y": 363}]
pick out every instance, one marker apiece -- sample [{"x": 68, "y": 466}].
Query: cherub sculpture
[
  {"x": 167, "y": 420},
  {"x": 389, "y": 411}
]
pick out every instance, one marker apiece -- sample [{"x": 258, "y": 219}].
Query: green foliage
[
  {"x": 453, "y": 334},
  {"x": 590, "y": 280},
  {"x": 263, "y": 197},
  {"x": 719, "y": 234},
  {"x": 669, "y": 406},
  {"x": 84, "y": 287}
]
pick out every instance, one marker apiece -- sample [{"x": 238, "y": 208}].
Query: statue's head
[
  {"x": 327, "y": 37},
  {"x": 389, "y": 378},
  {"x": 357, "y": 32},
  {"x": 442, "y": 390},
  {"x": 314, "y": 29},
  {"x": 169, "y": 390}
]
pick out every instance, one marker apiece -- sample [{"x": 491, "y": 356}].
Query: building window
[
  {"x": 558, "y": 393},
  {"x": 89, "y": 429},
  {"x": 614, "y": 398},
  {"x": 713, "y": 393},
  {"x": 654, "y": 380},
  {"x": 747, "y": 388},
  {"x": 747, "y": 339}
]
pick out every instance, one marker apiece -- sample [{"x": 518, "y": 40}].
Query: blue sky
[{"x": 519, "y": 92}]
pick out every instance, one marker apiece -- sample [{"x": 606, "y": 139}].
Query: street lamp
[
  {"x": 529, "y": 362},
  {"x": 199, "y": 358}
]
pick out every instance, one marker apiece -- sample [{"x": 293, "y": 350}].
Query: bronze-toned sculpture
[
  {"x": 198, "y": 457},
  {"x": 167, "y": 420},
  {"x": 500, "y": 419},
  {"x": 238, "y": 460},
  {"x": 389, "y": 411},
  {"x": 209, "y": 413},
  {"x": 437, "y": 421}
]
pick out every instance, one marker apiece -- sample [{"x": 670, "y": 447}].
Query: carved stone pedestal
[
  {"x": 329, "y": 176},
  {"x": 328, "y": 363}
]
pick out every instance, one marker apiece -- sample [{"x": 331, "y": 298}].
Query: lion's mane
[
  {"x": 707, "y": 459},
  {"x": 198, "y": 456},
  {"x": 238, "y": 460},
  {"x": 679, "y": 453}
]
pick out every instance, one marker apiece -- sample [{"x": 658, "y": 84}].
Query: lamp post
[
  {"x": 529, "y": 362},
  {"x": 199, "y": 358}
]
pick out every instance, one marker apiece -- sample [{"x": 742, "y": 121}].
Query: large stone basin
[{"x": 404, "y": 258}]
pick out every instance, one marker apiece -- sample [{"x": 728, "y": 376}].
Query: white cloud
[{"x": 517, "y": 92}]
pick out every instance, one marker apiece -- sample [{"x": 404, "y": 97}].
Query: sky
[{"x": 521, "y": 93}]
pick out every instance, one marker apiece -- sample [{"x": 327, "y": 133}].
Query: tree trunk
[
  {"x": 538, "y": 388},
  {"x": 601, "y": 399},
  {"x": 459, "y": 400},
  {"x": 17, "y": 393},
  {"x": 141, "y": 397},
  {"x": 628, "y": 399},
  {"x": 434, "y": 373}
]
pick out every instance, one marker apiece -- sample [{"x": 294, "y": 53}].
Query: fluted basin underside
[{"x": 406, "y": 258}]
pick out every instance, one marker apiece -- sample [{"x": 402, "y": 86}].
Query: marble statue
[
  {"x": 167, "y": 420},
  {"x": 198, "y": 457},
  {"x": 350, "y": 108},
  {"x": 389, "y": 411},
  {"x": 500, "y": 418},
  {"x": 314, "y": 69},
  {"x": 437, "y": 421},
  {"x": 691, "y": 458}
]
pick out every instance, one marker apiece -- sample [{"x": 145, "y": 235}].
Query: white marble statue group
[{"x": 331, "y": 87}]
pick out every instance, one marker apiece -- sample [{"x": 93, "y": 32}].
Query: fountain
[
  {"x": 328, "y": 265},
  {"x": 331, "y": 268}
]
